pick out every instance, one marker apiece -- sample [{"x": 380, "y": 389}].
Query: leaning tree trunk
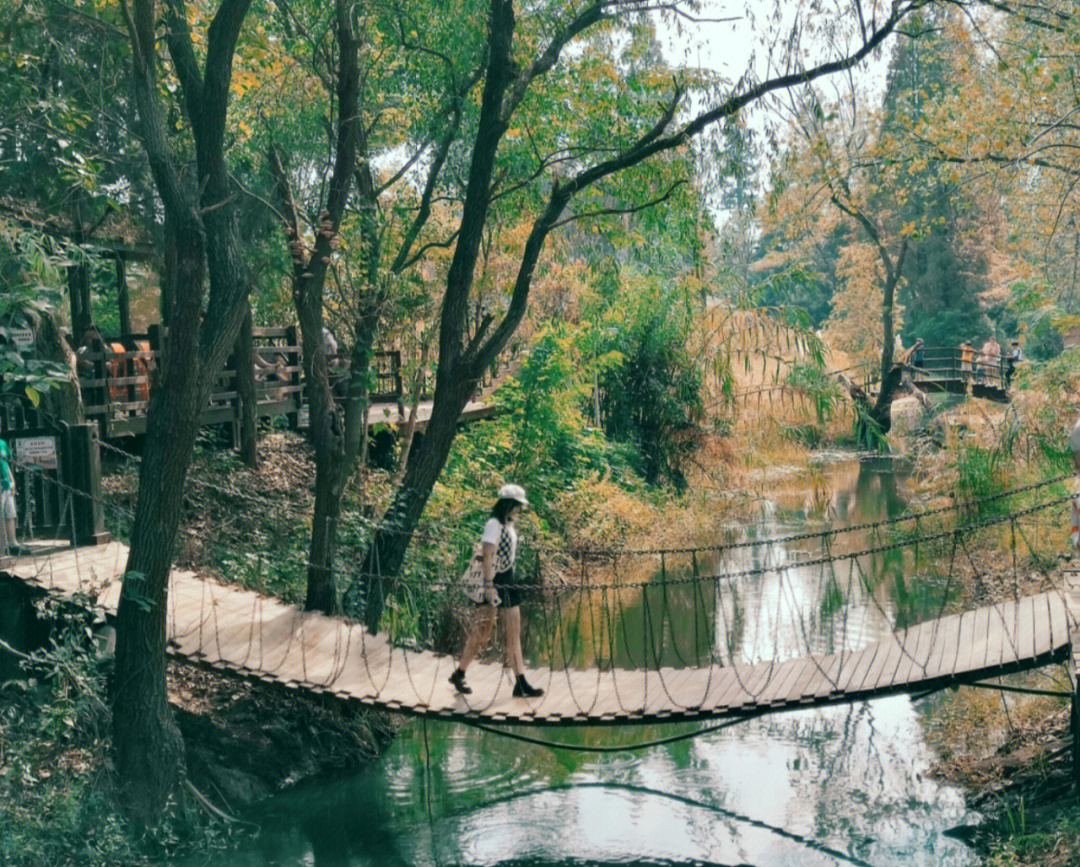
[
  {"x": 891, "y": 375},
  {"x": 387, "y": 550}
]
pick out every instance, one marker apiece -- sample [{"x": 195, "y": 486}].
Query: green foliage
[
  {"x": 809, "y": 435},
  {"x": 986, "y": 471},
  {"x": 868, "y": 433},
  {"x": 824, "y": 391},
  {"x": 1034, "y": 310},
  {"x": 944, "y": 273},
  {"x": 1044, "y": 340},
  {"x": 541, "y": 437},
  {"x": 58, "y": 803},
  {"x": 31, "y": 277},
  {"x": 805, "y": 285},
  {"x": 651, "y": 390}
]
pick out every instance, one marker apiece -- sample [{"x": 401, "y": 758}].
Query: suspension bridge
[{"x": 625, "y": 636}]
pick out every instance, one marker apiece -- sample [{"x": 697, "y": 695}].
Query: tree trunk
[
  {"x": 887, "y": 305},
  {"x": 149, "y": 749},
  {"x": 337, "y": 441},
  {"x": 387, "y": 550},
  {"x": 245, "y": 387},
  {"x": 201, "y": 241},
  {"x": 891, "y": 376},
  {"x": 329, "y": 485}
]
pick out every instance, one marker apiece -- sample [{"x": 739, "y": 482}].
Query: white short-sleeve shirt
[{"x": 493, "y": 529}]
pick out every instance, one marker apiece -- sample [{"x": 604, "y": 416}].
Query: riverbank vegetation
[
  {"x": 1010, "y": 750},
  {"x": 243, "y": 742}
]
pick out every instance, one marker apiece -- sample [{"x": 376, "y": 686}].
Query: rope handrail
[
  {"x": 621, "y": 646},
  {"x": 610, "y": 551},
  {"x": 964, "y": 505},
  {"x": 894, "y": 545}
]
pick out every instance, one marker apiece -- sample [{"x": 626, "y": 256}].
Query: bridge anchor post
[
  {"x": 1072, "y": 613},
  {"x": 82, "y": 472}
]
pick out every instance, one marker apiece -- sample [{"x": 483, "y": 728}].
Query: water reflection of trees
[
  {"x": 675, "y": 616},
  {"x": 851, "y": 781}
]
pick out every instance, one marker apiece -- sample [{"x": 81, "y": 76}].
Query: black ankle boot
[
  {"x": 458, "y": 680},
  {"x": 524, "y": 689}
]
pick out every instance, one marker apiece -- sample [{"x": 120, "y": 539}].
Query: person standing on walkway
[
  {"x": 501, "y": 592},
  {"x": 7, "y": 501},
  {"x": 918, "y": 354},
  {"x": 967, "y": 357},
  {"x": 990, "y": 361},
  {"x": 1012, "y": 359}
]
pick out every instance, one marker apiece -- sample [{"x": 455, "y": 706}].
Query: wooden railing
[
  {"x": 952, "y": 368},
  {"x": 116, "y": 379}
]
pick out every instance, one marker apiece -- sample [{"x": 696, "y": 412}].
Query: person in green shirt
[{"x": 7, "y": 499}]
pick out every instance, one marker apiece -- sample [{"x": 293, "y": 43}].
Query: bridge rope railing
[
  {"x": 613, "y": 594},
  {"x": 973, "y": 505},
  {"x": 666, "y": 626},
  {"x": 674, "y": 629}
]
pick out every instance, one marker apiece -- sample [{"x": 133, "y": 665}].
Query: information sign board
[{"x": 36, "y": 451}]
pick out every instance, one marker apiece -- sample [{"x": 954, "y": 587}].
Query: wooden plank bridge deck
[{"x": 253, "y": 635}]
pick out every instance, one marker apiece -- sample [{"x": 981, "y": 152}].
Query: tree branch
[
  {"x": 144, "y": 80},
  {"x": 209, "y": 122},
  {"x": 431, "y": 245},
  {"x": 182, "y": 52},
  {"x": 631, "y": 210},
  {"x": 651, "y": 143}
]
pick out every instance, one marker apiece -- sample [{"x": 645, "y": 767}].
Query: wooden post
[
  {"x": 1072, "y": 618},
  {"x": 399, "y": 389},
  {"x": 78, "y": 278},
  {"x": 102, "y": 371},
  {"x": 228, "y": 380},
  {"x": 81, "y": 471},
  {"x": 244, "y": 384},
  {"x": 155, "y": 335},
  {"x": 158, "y": 338},
  {"x": 122, "y": 300},
  {"x": 292, "y": 340}
]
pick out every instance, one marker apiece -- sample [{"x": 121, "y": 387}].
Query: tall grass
[{"x": 985, "y": 471}]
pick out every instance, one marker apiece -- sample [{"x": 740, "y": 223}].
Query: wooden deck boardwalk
[{"x": 257, "y": 636}]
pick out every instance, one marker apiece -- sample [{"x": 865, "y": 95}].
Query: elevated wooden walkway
[{"x": 253, "y": 635}]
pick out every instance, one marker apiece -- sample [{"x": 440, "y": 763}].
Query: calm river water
[{"x": 829, "y": 786}]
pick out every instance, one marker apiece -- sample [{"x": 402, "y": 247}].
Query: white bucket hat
[{"x": 513, "y": 492}]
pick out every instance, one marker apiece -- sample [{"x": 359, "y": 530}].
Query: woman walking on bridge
[{"x": 501, "y": 591}]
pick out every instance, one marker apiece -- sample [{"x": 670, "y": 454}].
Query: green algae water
[{"x": 827, "y": 786}]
